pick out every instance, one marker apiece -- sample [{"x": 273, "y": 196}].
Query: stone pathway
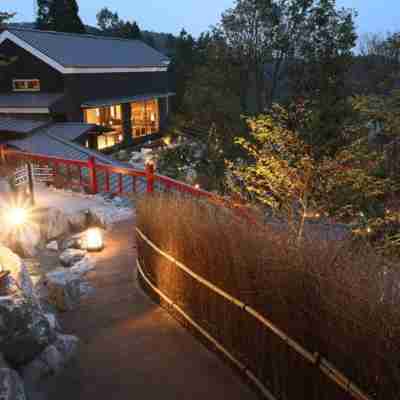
[{"x": 131, "y": 348}]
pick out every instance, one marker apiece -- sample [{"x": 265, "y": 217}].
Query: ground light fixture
[
  {"x": 94, "y": 240},
  {"x": 16, "y": 216}
]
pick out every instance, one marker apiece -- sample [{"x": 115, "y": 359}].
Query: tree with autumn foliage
[{"x": 278, "y": 171}]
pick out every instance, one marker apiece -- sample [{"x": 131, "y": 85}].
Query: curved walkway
[{"x": 131, "y": 348}]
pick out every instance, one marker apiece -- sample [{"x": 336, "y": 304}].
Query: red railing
[{"x": 95, "y": 177}]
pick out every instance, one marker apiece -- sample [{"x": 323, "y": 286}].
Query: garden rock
[
  {"x": 73, "y": 242},
  {"x": 24, "y": 240},
  {"x": 60, "y": 289},
  {"x": 99, "y": 217},
  {"x": 24, "y": 330},
  {"x": 78, "y": 222},
  {"x": 53, "y": 246},
  {"x": 18, "y": 271},
  {"x": 54, "y": 224},
  {"x": 52, "y": 360},
  {"x": 71, "y": 256},
  {"x": 11, "y": 385},
  {"x": 82, "y": 267}
]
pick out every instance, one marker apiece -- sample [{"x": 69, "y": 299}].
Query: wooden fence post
[
  {"x": 92, "y": 175},
  {"x": 150, "y": 177}
]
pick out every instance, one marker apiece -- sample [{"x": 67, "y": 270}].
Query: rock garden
[{"x": 44, "y": 259}]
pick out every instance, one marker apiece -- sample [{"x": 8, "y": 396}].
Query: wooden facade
[{"x": 79, "y": 88}]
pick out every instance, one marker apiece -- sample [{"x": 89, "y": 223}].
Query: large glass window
[
  {"x": 145, "y": 117},
  {"x": 111, "y": 119}
]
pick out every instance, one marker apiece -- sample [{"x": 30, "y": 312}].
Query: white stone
[
  {"x": 78, "y": 222},
  {"x": 11, "y": 385},
  {"x": 61, "y": 289},
  {"x": 68, "y": 346},
  {"x": 82, "y": 267},
  {"x": 53, "y": 246},
  {"x": 52, "y": 360},
  {"x": 18, "y": 271},
  {"x": 26, "y": 331},
  {"x": 24, "y": 239},
  {"x": 53, "y": 322},
  {"x": 70, "y": 257},
  {"x": 54, "y": 224}
]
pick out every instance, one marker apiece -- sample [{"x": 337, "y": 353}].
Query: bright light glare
[
  {"x": 94, "y": 239},
  {"x": 17, "y": 216}
]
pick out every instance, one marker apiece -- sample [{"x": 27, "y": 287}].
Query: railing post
[
  {"x": 150, "y": 177},
  {"x": 2, "y": 154},
  {"x": 92, "y": 175}
]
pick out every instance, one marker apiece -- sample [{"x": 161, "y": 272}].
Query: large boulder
[
  {"x": 70, "y": 257},
  {"x": 24, "y": 330},
  {"x": 61, "y": 289},
  {"x": 24, "y": 239},
  {"x": 100, "y": 217},
  {"x": 78, "y": 222},
  {"x": 54, "y": 224},
  {"x": 11, "y": 385},
  {"x": 52, "y": 360},
  {"x": 18, "y": 271}
]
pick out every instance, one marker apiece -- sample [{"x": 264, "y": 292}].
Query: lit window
[
  {"x": 145, "y": 117},
  {"x": 26, "y": 85}
]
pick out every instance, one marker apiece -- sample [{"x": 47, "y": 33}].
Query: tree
[
  {"x": 319, "y": 73},
  {"x": 60, "y": 16},
  {"x": 279, "y": 168},
  {"x": 42, "y": 18},
  {"x": 377, "y": 68},
  {"x": 110, "y": 24},
  {"x": 182, "y": 65},
  {"x": 5, "y": 17}
]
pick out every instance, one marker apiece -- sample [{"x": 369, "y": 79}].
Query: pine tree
[
  {"x": 63, "y": 16},
  {"x": 42, "y": 18}
]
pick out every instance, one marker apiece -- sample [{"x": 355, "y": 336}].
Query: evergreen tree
[
  {"x": 63, "y": 16},
  {"x": 42, "y": 18},
  {"x": 110, "y": 24}
]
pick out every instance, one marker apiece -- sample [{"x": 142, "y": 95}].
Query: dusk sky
[{"x": 197, "y": 15}]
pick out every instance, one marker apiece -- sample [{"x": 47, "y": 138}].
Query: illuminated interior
[
  {"x": 26, "y": 85},
  {"x": 145, "y": 117},
  {"x": 109, "y": 117}
]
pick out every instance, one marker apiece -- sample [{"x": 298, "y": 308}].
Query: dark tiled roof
[
  {"x": 45, "y": 142},
  {"x": 29, "y": 100},
  {"x": 89, "y": 51},
  {"x": 68, "y": 130},
  {"x": 125, "y": 99},
  {"x": 23, "y": 126}
]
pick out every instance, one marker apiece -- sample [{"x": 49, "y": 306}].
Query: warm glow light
[
  {"x": 369, "y": 230},
  {"x": 167, "y": 140},
  {"x": 94, "y": 240},
  {"x": 17, "y": 216},
  {"x": 197, "y": 186}
]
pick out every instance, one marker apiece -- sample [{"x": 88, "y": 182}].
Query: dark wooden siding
[
  {"x": 84, "y": 87},
  {"x": 28, "y": 66}
]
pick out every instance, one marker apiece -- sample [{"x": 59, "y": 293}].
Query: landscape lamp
[
  {"x": 94, "y": 240},
  {"x": 16, "y": 216}
]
